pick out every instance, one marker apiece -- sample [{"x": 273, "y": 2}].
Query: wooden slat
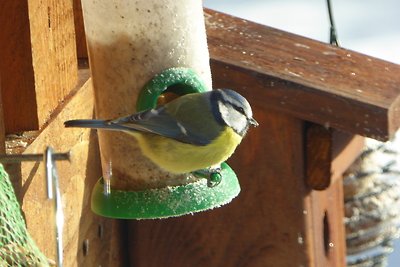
[
  {"x": 325, "y": 226},
  {"x": 325, "y": 222},
  {"x": 81, "y": 48},
  {"x": 346, "y": 148},
  {"x": 329, "y": 153},
  {"x": 318, "y": 156},
  {"x": 16, "y": 70},
  {"x": 39, "y": 65},
  {"x": 305, "y": 78},
  {"x": 100, "y": 236}
]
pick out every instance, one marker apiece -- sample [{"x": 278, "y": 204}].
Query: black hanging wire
[{"x": 333, "y": 34}]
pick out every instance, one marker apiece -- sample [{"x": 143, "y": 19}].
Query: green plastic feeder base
[{"x": 165, "y": 202}]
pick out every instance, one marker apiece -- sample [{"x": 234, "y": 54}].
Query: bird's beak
[{"x": 253, "y": 122}]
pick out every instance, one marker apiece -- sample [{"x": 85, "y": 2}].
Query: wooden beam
[
  {"x": 310, "y": 80},
  {"x": 346, "y": 148},
  {"x": 325, "y": 229},
  {"x": 17, "y": 81},
  {"x": 318, "y": 156},
  {"x": 39, "y": 64},
  {"x": 329, "y": 153}
]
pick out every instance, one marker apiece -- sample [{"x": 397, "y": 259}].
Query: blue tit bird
[{"x": 192, "y": 132}]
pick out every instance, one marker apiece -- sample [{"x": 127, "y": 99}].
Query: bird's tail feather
[{"x": 94, "y": 124}]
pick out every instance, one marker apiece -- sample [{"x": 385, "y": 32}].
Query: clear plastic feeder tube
[{"x": 129, "y": 42}]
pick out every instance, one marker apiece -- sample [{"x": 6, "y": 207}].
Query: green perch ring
[
  {"x": 211, "y": 192},
  {"x": 171, "y": 201}
]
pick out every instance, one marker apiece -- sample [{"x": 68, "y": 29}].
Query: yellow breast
[{"x": 178, "y": 157}]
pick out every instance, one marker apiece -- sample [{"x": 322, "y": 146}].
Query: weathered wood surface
[
  {"x": 325, "y": 226},
  {"x": 329, "y": 153},
  {"x": 318, "y": 157},
  {"x": 17, "y": 81},
  {"x": 310, "y": 80},
  {"x": 345, "y": 149},
  {"x": 38, "y": 66},
  {"x": 89, "y": 240}
]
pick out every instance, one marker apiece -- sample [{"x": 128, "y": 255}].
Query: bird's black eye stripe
[{"x": 240, "y": 109}]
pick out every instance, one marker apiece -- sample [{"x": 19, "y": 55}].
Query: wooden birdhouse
[{"x": 315, "y": 104}]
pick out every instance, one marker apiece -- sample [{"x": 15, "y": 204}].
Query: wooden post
[{"x": 39, "y": 65}]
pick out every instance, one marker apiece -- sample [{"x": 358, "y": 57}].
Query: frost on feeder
[{"x": 145, "y": 54}]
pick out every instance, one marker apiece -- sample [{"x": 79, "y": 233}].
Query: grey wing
[{"x": 159, "y": 122}]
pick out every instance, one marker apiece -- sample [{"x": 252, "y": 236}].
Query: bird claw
[{"x": 212, "y": 174}]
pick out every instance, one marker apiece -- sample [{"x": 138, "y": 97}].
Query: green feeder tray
[
  {"x": 165, "y": 202},
  {"x": 217, "y": 190}
]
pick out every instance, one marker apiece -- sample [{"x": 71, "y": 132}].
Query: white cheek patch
[
  {"x": 223, "y": 110},
  {"x": 240, "y": 122},
  {"x": 233, "y": 118}
]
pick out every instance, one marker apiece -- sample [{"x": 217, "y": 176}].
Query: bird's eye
[{"x": 240, "y": 109}]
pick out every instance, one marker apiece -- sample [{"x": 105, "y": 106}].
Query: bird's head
[{"x": 233, "y": 110}]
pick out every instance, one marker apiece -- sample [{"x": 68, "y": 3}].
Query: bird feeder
[{"x": 143, "y": 53}]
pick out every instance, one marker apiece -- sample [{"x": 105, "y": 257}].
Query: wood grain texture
[
  {"x": 325, "y": 212},
  {"x": 99, "y": 235},
  {"x": 346, "y": 148},
  {"x": 318, "y": 157},
  {"x": 310, "y": 80},
  {"x": 329, "y": 153},
  {"x": 39, "y": 64},
  {"x": 17, "y": 81},
  {"x": 53, "y": 38}
]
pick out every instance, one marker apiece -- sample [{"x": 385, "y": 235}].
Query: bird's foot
[{"x": 212, "y": 174}]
